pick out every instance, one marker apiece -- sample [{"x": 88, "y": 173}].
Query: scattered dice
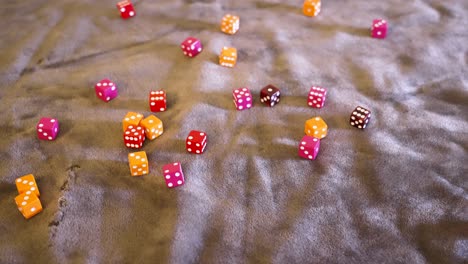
[
  {"x": 47, "y": 128},
  {"x": 131, "y": 119},
  {"x": 153, "y": 127},
  {"x": 316, "y": 127},
  {"x": 173, "y": 175},
  {"x": 360, "y": 117},
  {"x": 228, "y": 57},
  {"x": 379, "y": 28},
  {"x": 138, "y": 163},
  {"x": 317, "y": 96},
  {"x": 311, "y": 7},
  {"x": 134, "y": 137},
  {"x": 270, "y": 95},
  {"x": 126, "y": 9},
  {"x": 157, "y": 101},
  {"x": 106, "y": 90},
  {"x": 27, "y": 183},
  {"x": 309, "y": 147},
  {"x": 191, "y": 46},
  {"x": 28, "y": 204},
  {"x": 230, "y": 24},
  {"x": 242, "y": 98},
  {"x": 196, "y": 142}
]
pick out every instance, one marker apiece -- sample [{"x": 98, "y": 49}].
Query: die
[
  {"x": 360, "y": 117},
  {"x": 28, "y": 204},
  {"x": 126, "y": 9},
  {"x": 157, "y": 101},
  {"x": 316, "y": 127},
  {"x": 106, "y": 90},
  {"x": 270, "y": 95},
  {"x": 309, "y": 147},
  {"x": 27, "y": 183},
  {"x": 131, "y": 119},
  {"x": 173, "y": 175},
  {"x": 228, "y": 57},
  {"x": 242, "y": 98},
  {"x": 379, "y": 28},
  {"x": 196, "y": 142},
  {"x": 230, "y": 24},
  {"x": 311, "y": 7},
  {"x": 134, "y": 137},
  {"x": 47, "y": 128},
  {"x": 153, "y": 127},
  {"x": 317, "y": 96},
  {"x": 138, "y": 163},
  {"x": 191, "y": 47}
]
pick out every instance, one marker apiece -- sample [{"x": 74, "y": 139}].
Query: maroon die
[
  {"x": 173, "y": 175},
  {"x": 379, "y": 28},
  {"x": 196, "y": 142},
  {"x": 360, "y": 117},
  {"x": 191, "y": 46},
  {"x": 242, "y": 98},
  {"x": 317, "y": 96},
  {"x": 126, "y": 9},
  {"x": 106, "y": 90},
  {"x": 157, "y": 101},
  {"x": 309, "y": 147},
  {"x": 47, "y": 128},
  {"x": 134, "y": 137},
  {"x": 270, "y": 95}
]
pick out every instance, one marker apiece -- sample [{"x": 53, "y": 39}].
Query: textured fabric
[{"x": 396, "y": 192}]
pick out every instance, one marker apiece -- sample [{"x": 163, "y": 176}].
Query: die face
[
  {"x": 196, "y": 142},
  {"x": 157, "y": 101},
  {"x": 360, "y": 117},
  {"x": 131, "y": 119},
  {"x": 173, "y": 175},
  {"x": 230, "y": 24},
  {"x": 317, "y": 96},
  {"x": 153, "y": 127},
  {"x": 379, "y": 28},
  {"x": 106, "y": 90},
  {"x": 316, "y": 127},
  {"x": 134, "y": 137},
  {"x": 270, "y": 95},
  {"x": 47, "y": 128},
  {"x": 138, "y": 163},
  {"x": 228, "y": 57},
  {"x": 126, "y": 9},
  {"x": 309, "y": 147},
  {"x": 191, "y": 47},
  {"x": 242, "y": 98},
  {"x": 311, "y": 7},
  {"x": 28, "y": 204},
  {"x": 27, "y": 183}
]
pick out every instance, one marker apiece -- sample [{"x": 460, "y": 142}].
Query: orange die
[
  {"x": 230, "y": 24},
  {"x": 228, "y": 57},
  {"x": 138, "y": 163},
  {"x": 28, "y": 204},
  {"x": 27, "y": 183},
  {"x": 153, "y": 127},
  {"x": 311, "y": 7},
  {"x": 131, "y": 119},
  {"x": 316, "y": 127}
]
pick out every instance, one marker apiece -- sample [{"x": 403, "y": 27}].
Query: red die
[
  {"x": 47, "y": 128},
  {"x": 134, "y": 137},
  {"x": 157, "y": 101},
  {"x": 270, "y": 95},
  {"x": 242, "y": 98},
  {"x": 379, "y": 28},
  {"x": 173, "y": 175},
  {"x": 309, "y": 147},
  {"x": 196, "y": 142},
  {"x": 191, "y": 46},
  {"x": 126, "y": 9},
  {"x": 360, "y": 117},
  {"x": 317, "y": 96},
  {"x": 106, "y": 90}
]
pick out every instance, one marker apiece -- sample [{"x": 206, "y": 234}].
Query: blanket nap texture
[{"x": 396, "y": 192}]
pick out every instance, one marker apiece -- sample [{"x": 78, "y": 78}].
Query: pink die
[
  {"x": 47, "y": 128},
  {"x": 106, "y": 90},
  {"x": 191, "y": 46},
  {"x": 309, "y": 147},
  {"x": 196, "y": 142},
  {"x": 134, "y": 136},
  {"x": 242, "y": 98},
  {"x": 379, "y": 28},
  {"x": 317, "y": 96},
  {"x": 173, "y": 175},
  {"x": 126, "y": 9},
  {"x": 157, "y": 101}
]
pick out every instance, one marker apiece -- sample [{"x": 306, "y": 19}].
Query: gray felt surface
[{"x": 394, "y": 193}]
